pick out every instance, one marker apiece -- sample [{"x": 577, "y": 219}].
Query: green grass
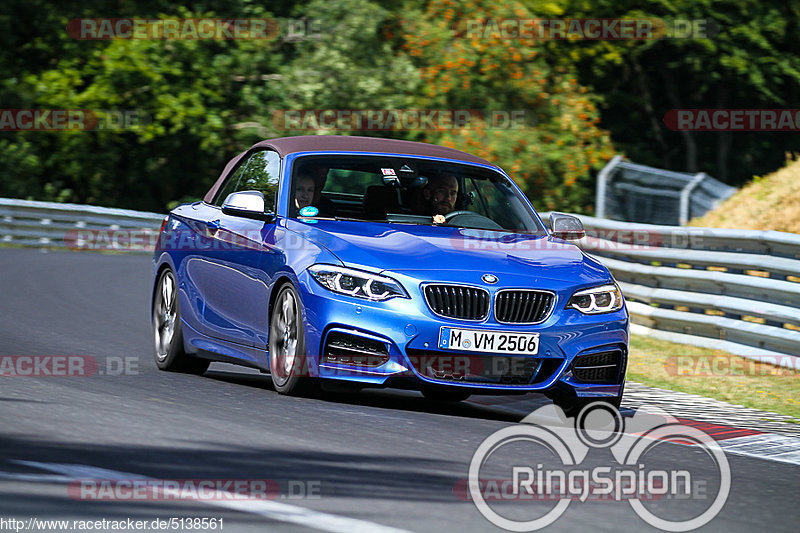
[{"x": 714, "y": 374}]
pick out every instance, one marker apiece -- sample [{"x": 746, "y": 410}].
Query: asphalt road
[{"x": 380, "y": 458}]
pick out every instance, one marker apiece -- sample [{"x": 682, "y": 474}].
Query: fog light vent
[
  {"x": 602, "y": 367},
  {"x": 354, "y": 350}
]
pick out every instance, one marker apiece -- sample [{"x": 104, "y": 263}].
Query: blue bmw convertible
[{"x": 385, "y": 263}]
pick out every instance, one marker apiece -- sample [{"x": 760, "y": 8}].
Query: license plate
[{"x": 475, "y": 340}]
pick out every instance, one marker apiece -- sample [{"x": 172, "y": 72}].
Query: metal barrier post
[
  {"x": 602, "y": 178},
  {"x": 686, "y": 194}
]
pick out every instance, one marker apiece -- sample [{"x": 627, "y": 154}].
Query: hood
[{"x": 407, "y": 248}]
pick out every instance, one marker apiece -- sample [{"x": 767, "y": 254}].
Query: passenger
[
  {"x": 319, "y": 175},
  {"x": 303, "y": 191}
]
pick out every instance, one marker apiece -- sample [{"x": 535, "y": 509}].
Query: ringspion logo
[{"x": 563, "y": 478}]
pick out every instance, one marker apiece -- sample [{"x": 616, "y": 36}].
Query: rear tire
[
  {"x": 288, "y": 363},
  {"x": 168, "y": 348}
]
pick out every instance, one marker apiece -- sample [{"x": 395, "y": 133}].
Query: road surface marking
[
  {"x": 282, "y": 512},
  {"x": 782, "y": 448}
]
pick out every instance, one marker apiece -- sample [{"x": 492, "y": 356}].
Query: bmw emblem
[{"x": 491, "y": 279}]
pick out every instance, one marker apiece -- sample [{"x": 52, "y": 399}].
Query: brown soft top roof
[
  {"x": 351, "y": 143},
  {"x": 348, "y": 143}
]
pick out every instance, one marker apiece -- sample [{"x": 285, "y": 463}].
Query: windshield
[{"x": 405, "y": 190}]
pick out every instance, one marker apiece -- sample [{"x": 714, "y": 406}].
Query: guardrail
[
  {"x": 54, "y": 225},
  {"x": 737, "y": 288},
  {"x": 740, "y": 288}
]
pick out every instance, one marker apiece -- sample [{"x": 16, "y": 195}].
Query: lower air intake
[
  {"x": 602, "y": 367},
  {"x": 349, "y": 349}
]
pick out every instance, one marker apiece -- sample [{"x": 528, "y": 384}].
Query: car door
[{"x": 230, "y": 277}]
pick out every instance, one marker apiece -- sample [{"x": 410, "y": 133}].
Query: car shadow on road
[
  {"x": 478, "y": 406},
  {"x": 388, "y": 476}
]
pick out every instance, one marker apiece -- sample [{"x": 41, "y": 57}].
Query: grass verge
[
  {"x": 768, "y": 202},
  {"x": 714, "y": 374}
]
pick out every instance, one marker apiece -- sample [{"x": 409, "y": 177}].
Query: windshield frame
[{"x": 487, "y": 171}]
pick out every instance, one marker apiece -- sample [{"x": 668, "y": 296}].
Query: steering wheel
[
  {"x": 450, "y": 216},
  {"x": 471, "y": 219}
]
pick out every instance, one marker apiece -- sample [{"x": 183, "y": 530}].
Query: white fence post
[{"x": 602, "y": 179}]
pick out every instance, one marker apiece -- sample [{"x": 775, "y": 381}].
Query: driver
[{"x": 440, "y": 194}]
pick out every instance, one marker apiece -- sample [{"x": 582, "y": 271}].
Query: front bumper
[{"x": 409, "y": 331}]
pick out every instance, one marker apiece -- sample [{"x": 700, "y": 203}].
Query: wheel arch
[
  {"x": 277, "y": 285},
  {"x": 160, "y": 268},
  {"x": 282, "y": 279}
]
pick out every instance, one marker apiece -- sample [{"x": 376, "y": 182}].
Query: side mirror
[
  {"x": 566, "y": 227},
  {"x": 247, "y": 204}
]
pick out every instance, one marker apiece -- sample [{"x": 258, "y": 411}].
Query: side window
[
  {"x": 230, "y": 184},
  {"x": 260, "y": 172}
]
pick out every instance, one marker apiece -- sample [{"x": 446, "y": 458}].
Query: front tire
[
  {"x": 168, "y": 347},
  {"x": 288, "y": 364}
]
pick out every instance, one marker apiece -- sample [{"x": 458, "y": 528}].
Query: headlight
[
  {"x": 597, "y": 300},
  {"x": 356, "y": 283}
]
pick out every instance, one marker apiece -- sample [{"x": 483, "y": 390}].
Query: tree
[
  {"x": 191, "y": 98},
  {"x": 470, "y": 65},
  {"x": 750, "y": 59}
]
